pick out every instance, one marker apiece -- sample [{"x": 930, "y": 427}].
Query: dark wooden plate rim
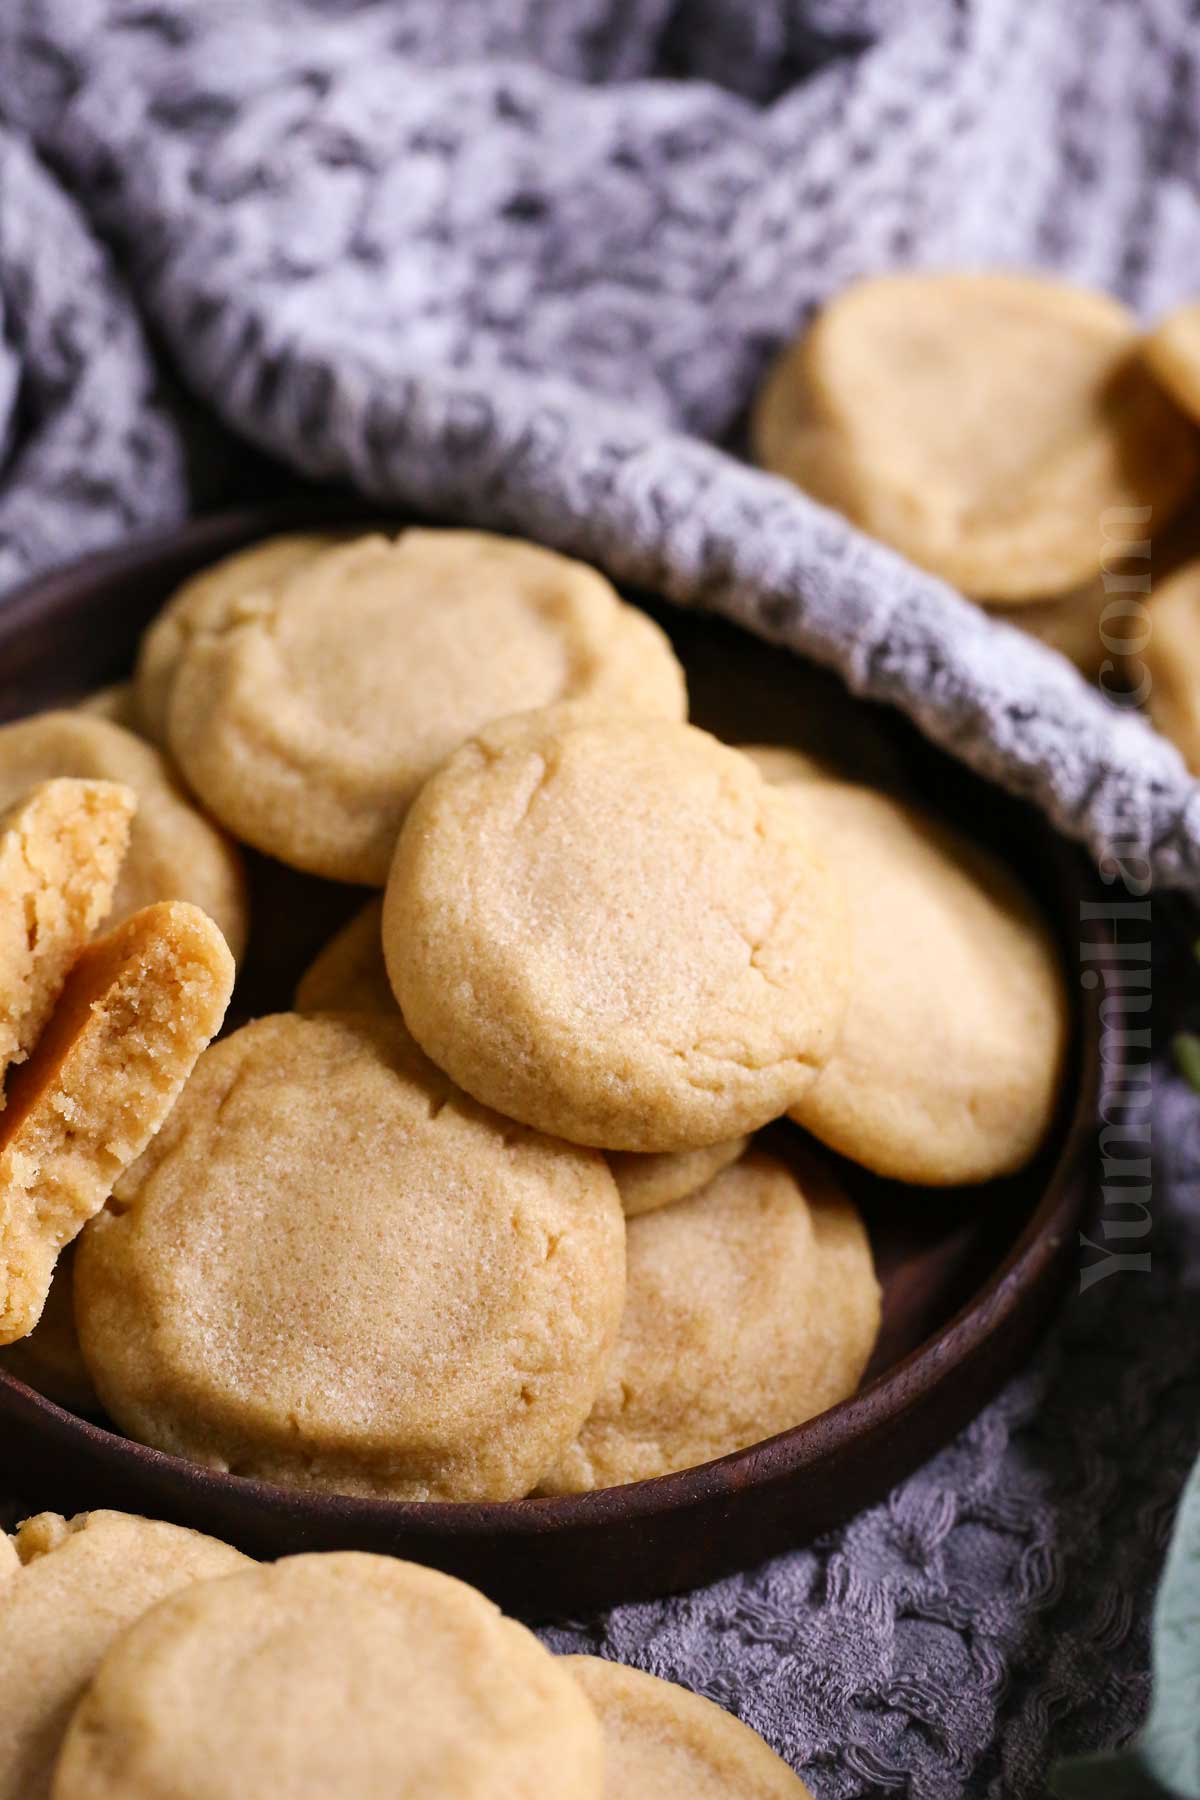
[{"x": 826, "y": 1439}]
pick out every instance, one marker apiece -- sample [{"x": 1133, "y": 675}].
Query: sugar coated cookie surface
[
  {"x": 341, "y": 1676},
  {"x": 72, "y": 1587},
  {"x": 349, "y": 974},
  {"x": 750, "y": 1307},
  {"x": 612, "y": 928},
  {"x": 209, "y": 600},
  {"x": 660, "y": 1741},
  {"x": 61, "y": 847},
  {"x": 331, "y": 1269},
  {"x": 647, "y": 1182},
  {"x": 1172, "y": 351},
  {"x": 951, "y": 1056},
  {"x": 136, "y": 1010},
  {"x": 980, "y": 423},
  {"x": 1172, "y": 661},
  {"x": 174, "y": 852},
  {"x": 308, "y": 721}
]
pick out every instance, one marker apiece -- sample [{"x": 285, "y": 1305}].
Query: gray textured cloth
[{"x": 484, "y": 258}]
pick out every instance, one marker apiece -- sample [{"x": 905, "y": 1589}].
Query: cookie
[
  {"x": 952, "y": 1052},
  {"x": 61, "y": 847},
  {"x": 210, "y": 600},
  {"x": 117, "y": 704},
  {"x": 660, "y": 1740},
  {"x": 750, "y": 1307},
  {"x": 49, "y": 1360},
  {"x": 332, "y": 1270},
  {"x": 76, "y": 1585},
  {"x": 339, "y": 1675},
  {"x": 981, "y": 424},
  {"x": 612, "y": 928},
  {"x": 1171, "y": 660},
  {"x": 309, "y": 721},
  {"x": 1072, "y": 624},
  {"x": 174, "y": 853},
  {"x": 1172, "y": 351},
  {"x": 349, "y": 974},
  {"x": 647, "y": 1182},
  {"x": 136, "y": 1010}
]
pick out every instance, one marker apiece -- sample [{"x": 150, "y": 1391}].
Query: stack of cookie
[
  {"x": 138, "y": 1659},
  {"x": 482, "y": 1216},
  {"x": 1021, "y": 437}
]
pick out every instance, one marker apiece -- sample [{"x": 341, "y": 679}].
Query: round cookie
[
  {"x": 208, "y": 601},
  {"x": 750, "y": 1307},
  {"x": 1172, "y": 661},
  {"x": 349, "y": 974},
  {"x": 648, "y": 1182},
  {"x": 956, "y": 1030},
  {"x": 1071, "y": 624},
  {"x": 612, "y": 928},
  {"x": 332, "y": 1270},
  {"x": 117, "y": 703},
  {"x": 308, "y": 720},
  {"x": 136, "y": 1010},
  {"x": 338, "y": 1675},
  {"x": 77, "y": 1585},
  {"x": 979, "y": 423},
  {"x": 660, "y": 1740},
  {"x": 1172, "y": 350},
  {"x": 61, "y": 847},
  {"x": 49, "y": 1360},
  {"x": 174, "y": 853}
]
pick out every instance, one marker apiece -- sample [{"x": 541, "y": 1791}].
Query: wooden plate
[{"x": 970, "y": 1277}]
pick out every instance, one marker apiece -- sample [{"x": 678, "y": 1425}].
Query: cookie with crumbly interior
[
  {"x": 349, "y": 974},
  {"x": 308, "y": 721},
  {"x": 982, "y": 424},
  {"x": 174, "y": 852},
  {"x": 333, "y": 1270},
  {"x": 136, "y": 1010},
  {"x": 209, "y": 599},
  {"x": 1172, "y": 351},
  {"x": 68, "y": 1589},
  {"x": 61, "y": 847},
  {"x": 660, "y": 1740},
  {"x": 338, "y": 1675},
  {"x": 749, "y": 1308},
  {"x": 49, "y": 1360},
  {"x": 951, "y": 1057},
  {"x": 612, "y": 928},
  {"x": 647, "y": 1182}
]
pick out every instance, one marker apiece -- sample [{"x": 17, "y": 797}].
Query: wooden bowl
[{"x": 970, "y": 1277}]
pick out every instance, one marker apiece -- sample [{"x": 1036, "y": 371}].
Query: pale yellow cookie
[
  {"x": 1172, "y": 350},
  {"x": 612, "y": 928},
  {"x": 76, "y": 1586},
  {"x": 983, "y": 424},
  {"x": 1171, "y": 660},
  {"x": 117, "y": 703},
  {"x": 647, "y": 1182},
  {"x": 663, "y": 1743},
  {"x": 309, "y": 721},
  {"x": 60, "y": 852},
  {"x": 951, "y": 1056},
  {"x": 349, "y": 974},
  {"x": 174, "y": 853},
  {"x": 137, "y": 1009},
  {"x": 344, "y": 1676},
  {"x": 750, "y": 1307},
  {"x": 333, "y": 1270},
  {"x": 208, "y": 601},
  {"x": 49, "y": 1360}
]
